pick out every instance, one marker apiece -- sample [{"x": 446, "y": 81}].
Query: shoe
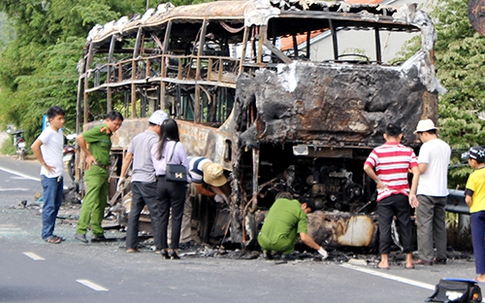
[
  {"x": 409, "y": 267},
  {"x": 423, "y": 262},
  {"x": 267, "y": 255},
  {"x": 174, "y": 256},
  {"x": 81, "y": 237},
  {"x": 164, "y": 254},
  {"x": 98, "y": 238},
  {"x": 132, "y": 250},
  {"x": 440, "y": 261},
  {"x": 53, "y": 240}
]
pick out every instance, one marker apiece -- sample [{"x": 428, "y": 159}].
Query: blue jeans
[
  {"x": 478, "y": 233},
  {"x": 52, "y": 198}
]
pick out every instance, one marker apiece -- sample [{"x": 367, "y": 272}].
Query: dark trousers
[
  {"x": 144, "y": 194},
  {"x": 171, "y": 195},
  {"x": 478, "y": 233},
  {"x": 395, "y": 205}
]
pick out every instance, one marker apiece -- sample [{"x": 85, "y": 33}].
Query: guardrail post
[{"x": 463, "y": 223}]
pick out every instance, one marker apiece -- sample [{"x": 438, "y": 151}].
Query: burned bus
[{"x": 285, "y": 95}]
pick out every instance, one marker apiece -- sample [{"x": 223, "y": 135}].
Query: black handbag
[{"x": 175, "y": 172}]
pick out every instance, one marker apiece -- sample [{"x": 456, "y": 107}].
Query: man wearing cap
[
  {"x": 388, "y": 166},
  {"x": 143, "y": 181},
  {"x": 208, "y": 178},
  {"x": 433, "y": 161},
  {"x": 475, "y": 198}
]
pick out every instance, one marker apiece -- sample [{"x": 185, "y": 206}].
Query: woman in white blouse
[{"x": 170, "y": 194}]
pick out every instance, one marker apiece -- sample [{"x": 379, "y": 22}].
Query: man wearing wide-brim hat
[
  {"x": 433, "y": 162},
  {"x": 209, "y": 178}
]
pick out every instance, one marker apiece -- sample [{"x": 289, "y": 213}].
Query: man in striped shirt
[{"x": 388, "y": 166}]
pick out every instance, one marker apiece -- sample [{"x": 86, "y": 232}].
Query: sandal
[
  {"x": 53, "y": 240},
  {"x": 423, "y": 262},
  {"x": 61, "y": 238}
]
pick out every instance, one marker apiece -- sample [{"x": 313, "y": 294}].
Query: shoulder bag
[{"x": 175, "y": 172}]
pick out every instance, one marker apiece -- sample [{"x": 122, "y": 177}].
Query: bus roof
[{"x": 250, "y": 12}]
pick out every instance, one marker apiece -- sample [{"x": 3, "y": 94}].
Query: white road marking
[
  {"x": 19, "y": 174},
  {"x": 14, "y": 189},
  {"x": 390, "y": 277},
  {"x": 33, "y": 256},
  {"x": 6, "y": 230},
  {"x": 92, "y": 285}
]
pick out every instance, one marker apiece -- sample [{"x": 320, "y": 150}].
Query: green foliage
[
  {"x": 460, "y": 53},
  {"x": 38, "y": 65},
  {"x": 7, "y": 34},
  {"x": 7, "y": 148}
]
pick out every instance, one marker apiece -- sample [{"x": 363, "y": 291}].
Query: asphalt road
[{"x": 35, "y": 271}]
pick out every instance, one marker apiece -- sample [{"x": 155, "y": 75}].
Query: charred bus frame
[{"x": 253, "y": 88}]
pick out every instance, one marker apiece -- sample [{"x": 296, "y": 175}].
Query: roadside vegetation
[
  {"x": 38, "y": 60},
  {"x": 7, "y": 148}
]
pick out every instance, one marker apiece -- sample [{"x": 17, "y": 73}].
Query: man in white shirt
[
  {"x": 433, "y": 161},
  {"x": 47, "y": 149}
]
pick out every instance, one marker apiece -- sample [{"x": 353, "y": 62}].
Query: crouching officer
[{"x": 285, "y": 220}]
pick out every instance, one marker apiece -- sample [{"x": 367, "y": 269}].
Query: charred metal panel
[
  {"x": 200, "y": 140},
  {"x": 332, "y": 105}
]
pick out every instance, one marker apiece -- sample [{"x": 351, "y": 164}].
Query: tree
[
  {"x": 38, "y": 67},
  {"x": 460, "y": 53}
]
